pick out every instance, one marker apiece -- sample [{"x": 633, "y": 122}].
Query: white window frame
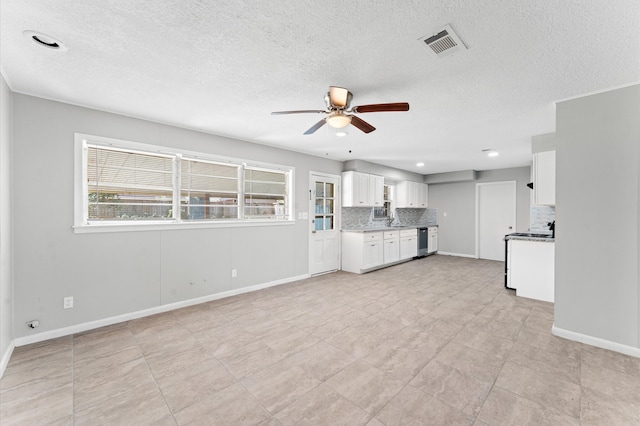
[{"x": 83, "y": 225}]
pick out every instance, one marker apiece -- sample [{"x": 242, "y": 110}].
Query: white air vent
[{"x": 444, "y": 42}]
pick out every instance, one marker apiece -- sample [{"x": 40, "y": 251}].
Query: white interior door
[
  {"x": 324, "y": 205},
  {"x": 495, "y": 217}
]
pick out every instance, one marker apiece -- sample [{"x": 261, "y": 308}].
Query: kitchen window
[{"x": 123, "y": 185}]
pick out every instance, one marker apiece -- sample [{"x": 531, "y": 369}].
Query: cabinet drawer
[
  {"x": 372, "y": 236},
  {"x": 408, "y": 232},
  {"x": 390, "y": 235}
]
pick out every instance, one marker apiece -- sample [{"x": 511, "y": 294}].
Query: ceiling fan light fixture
[
  {"x": 339, "y": 96},
  {"x": 338, "y": 121}
]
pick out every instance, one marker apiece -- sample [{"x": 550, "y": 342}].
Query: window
[
  {"x": 128, "y": 185},
  {"x": 125, "y": 183},
  {"x": 384, "y": 212},
  {"x": 208, "y": 190},
  {"x": 265, "y": 193},
  {"x": 324, "y": 218}
]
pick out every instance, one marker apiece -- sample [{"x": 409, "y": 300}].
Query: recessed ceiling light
[
  {"x": 45, "y": 40},
  {"x": 491, "y": 152},
  {"x": 341, "y": 134},
  {"x": 419, "y": 164}
]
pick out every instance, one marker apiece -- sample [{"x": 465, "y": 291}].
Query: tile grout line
[
  {"x": 155, "y": 381},
  {"x": 493, "y": 384}
]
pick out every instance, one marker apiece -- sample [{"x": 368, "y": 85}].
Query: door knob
[{"x": 511, "y": 227}]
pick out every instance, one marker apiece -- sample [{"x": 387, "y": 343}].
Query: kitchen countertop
[
  {"x": 380, "y": 229},
  {"x": 530, "y": 236}
]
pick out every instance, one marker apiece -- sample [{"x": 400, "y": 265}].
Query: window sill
[{"x": 137, "y": 226}]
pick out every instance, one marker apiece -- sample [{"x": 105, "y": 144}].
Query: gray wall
[
  {"x": 543, "y": 143},
  {"x": 116, "y": 273},
  {"x": 391, "y": 175},
  {"x": 6, "y": 313},
  {"x": 597, "y": 191},
  {"x": 456, "y": 233}
]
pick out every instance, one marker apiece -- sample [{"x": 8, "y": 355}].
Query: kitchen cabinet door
[
  {"x": 423, "y": 195},
  {"x": 544, "y": 178},
  {"x": 355, "y": 190},
  {"x": 391, "y": 250},
  {"x": 407, "y": 195},
  {"x": 372, "y": 254},
  {"x": 432, "y": 245},
  {"x": 408, "y": 247},
  {"x": 376, "y": 190}
]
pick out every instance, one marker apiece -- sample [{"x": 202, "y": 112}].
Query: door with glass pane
[{"x": 324, "y": 204}]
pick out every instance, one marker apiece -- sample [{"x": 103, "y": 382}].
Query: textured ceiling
[{"x": 222, "y": 66}]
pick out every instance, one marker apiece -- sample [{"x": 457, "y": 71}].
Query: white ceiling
[{"x": 222, "y": 67}]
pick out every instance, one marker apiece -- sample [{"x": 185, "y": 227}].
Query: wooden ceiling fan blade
[
  {"x": 302, "y": 111},
  {"x": 397, "y": 106},
  {"x": 339, "y": 96},
  {"x": 316, "y": 126},
  {"x": 361, "y": 124}
]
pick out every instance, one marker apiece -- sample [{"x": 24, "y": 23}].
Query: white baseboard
[
  {"x": 5, "y": 358},
  {"x": 91, "y": 325},
  {"x": 596, "y": 341},
  {"x": 444, "y": 253}
]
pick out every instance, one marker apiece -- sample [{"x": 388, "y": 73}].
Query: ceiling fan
[{"x": 340, "y": 112}]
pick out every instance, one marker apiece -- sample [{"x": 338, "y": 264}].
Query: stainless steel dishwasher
[{"x": 423, "y": 242}]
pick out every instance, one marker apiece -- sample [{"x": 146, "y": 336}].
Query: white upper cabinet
[
  {"x": 412, "y": 195},
  {"x": 362, "y": 190},
  {"x": 544, "y": 178},
  {"x": 376, "y": 190}
]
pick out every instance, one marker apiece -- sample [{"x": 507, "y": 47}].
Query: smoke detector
[{"x": 443, "y": 42}]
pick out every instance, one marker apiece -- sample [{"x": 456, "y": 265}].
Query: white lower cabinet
[
  {"x": 361, "y": 251},
  {"x": 432, "y": 243},
  {"x": 366, "y": 251},
  {"x": 408, "y": 243},
  {"x": 531, "y": 269},
  {"x": 391, "y": 247},
  {"x": 372, "y": 254}
]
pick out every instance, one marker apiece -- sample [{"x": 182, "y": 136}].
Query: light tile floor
[{"x": 433, "y": 341}]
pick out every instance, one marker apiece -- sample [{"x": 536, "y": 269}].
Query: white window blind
[
  {"x": 265, "y": 193},
  {"x": 128, "y": 185},
  {"x": 208, "y": 190}
]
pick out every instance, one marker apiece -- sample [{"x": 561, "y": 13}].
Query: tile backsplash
[
  {"x": 357, "y": 217},
  {"x": 362, "y": 217},
  {"x": 539, "y": 216},
  {"x": 416, "y": 217}
]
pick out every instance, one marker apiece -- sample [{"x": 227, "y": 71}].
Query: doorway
[
  {"x": 495, "y": 217},
  {"x": 324, "y": 227}
]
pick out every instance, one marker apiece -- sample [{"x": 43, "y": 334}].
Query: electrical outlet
[
  {"x": 68, "y": 302},
  {"x": 234, "y": 273}
]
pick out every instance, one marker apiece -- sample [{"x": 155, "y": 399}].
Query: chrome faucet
[{"x": 390, "y": 219}]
